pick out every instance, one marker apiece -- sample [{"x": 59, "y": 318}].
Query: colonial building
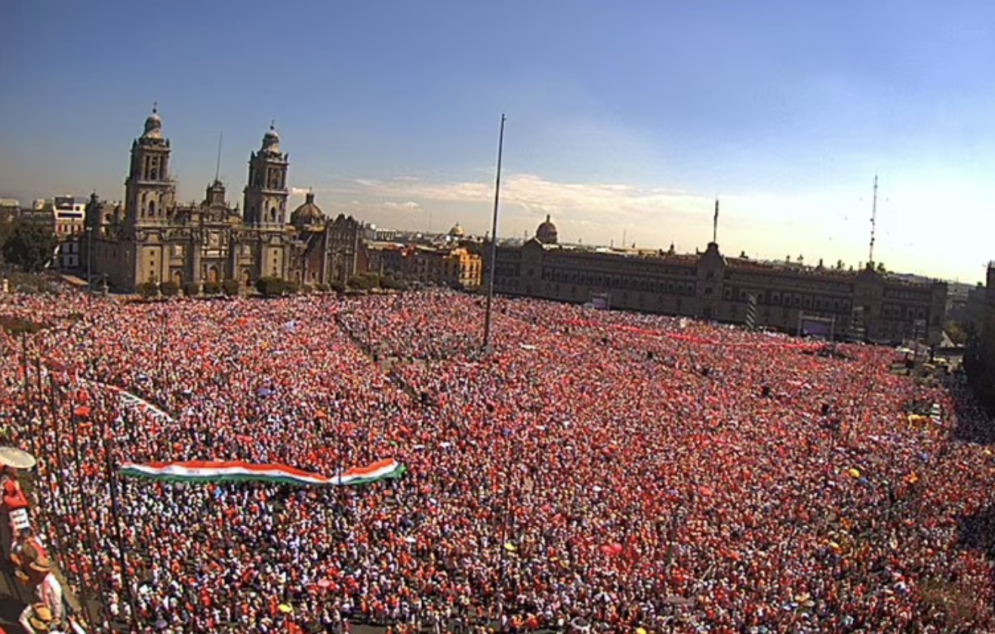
[
  {"x": 331, "y": 248},
  {"x": 452, "y": 266},
  {"x": 63, "y": 216},
  {"x": 153, "y": 238},
  {"x": 712, "y": 286}
]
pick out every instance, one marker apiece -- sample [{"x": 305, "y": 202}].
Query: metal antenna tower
[{"x": 874, "y": 223}]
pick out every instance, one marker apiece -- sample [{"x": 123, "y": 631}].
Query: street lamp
[{"x": 89, "y": 258}]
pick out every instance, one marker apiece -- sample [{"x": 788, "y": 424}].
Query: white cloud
[
  {"x": 405, "y": 206},
  {"x": 538, "y": 196},
  {"x": 828, "y": 224},
  {"x": 299, "y": 191}
]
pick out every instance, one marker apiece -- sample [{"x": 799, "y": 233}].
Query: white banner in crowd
[{"x": 133, "y": 401}]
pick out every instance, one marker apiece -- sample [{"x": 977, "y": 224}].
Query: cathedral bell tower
[
  {"x": 265, "y": 199},
  {"x": 149, "y": 190}
]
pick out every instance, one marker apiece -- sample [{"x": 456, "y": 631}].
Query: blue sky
[{"x": 627, "y": 116}]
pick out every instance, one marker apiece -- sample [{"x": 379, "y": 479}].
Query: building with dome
[
  {"x": 330, "y": 249},
  {"x": 815, "y": 300},
  {"x": 546, "y": 232},
  {"x": 151, "y": 237},
  {"x": 457, "y": 232}
]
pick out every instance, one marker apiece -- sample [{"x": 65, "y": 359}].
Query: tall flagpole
[
  {"x": 493, "y": 249},
  {"x": 715, "y": 223}
]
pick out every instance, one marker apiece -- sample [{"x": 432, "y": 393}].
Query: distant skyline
[{"x": 624, "y": 118}]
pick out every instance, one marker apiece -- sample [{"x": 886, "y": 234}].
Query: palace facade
[
  {"x": 864, "y": 304},
  {"x": 150, "y": 237}
]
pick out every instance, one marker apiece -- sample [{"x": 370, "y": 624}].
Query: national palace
[{"x": 863, "y": 304}]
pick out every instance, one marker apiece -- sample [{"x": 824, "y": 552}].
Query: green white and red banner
[{"x": 237, "y": 471}]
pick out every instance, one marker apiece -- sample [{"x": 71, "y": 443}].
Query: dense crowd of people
[{"x": 595, "y": 470}]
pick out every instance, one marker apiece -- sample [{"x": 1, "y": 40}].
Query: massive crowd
[{"x": 596, "y": 470}]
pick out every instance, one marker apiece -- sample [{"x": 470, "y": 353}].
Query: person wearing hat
[
  {"x": 37, "y": 618},
  {"x": 31, "y": 558}
]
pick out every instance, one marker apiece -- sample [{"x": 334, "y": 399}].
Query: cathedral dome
[
  {"x": 271, "y": 140},
  {"x": 546, "y": 233},
  {"x": 153, "y": 125},
  {"x": 456, "y": 231},
  {"x": 308, "y": 214}
]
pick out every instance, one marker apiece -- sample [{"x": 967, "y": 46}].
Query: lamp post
[
  {"x": 112, "y": 482},
  {"x": 89, "y": 258},
  {"x": 162, "y": 350},
  {"x": 82, "y": 579}
]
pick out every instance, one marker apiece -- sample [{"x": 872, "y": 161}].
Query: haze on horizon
[{"x": 623, "y": 118}]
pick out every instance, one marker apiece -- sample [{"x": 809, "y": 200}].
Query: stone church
[{"x": 150, "y": 237}]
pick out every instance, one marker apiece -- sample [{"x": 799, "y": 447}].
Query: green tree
[
  {"x": 169, "y": 288},
  {"x": 29, "y": 246},
  {"x": 956, "y": 333},
  {"x": 230, "y": 287},
  {"x": 147, "y": 289},
  {"x": 272, "y": 287},
  {"x": 212, "y": 288}
]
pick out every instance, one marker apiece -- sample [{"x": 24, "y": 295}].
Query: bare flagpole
[{"x": 493, "y": 250}]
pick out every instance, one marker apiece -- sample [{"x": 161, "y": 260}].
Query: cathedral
[{"x": 150, "y": 237}]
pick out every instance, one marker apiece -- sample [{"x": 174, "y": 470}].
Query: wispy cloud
[
  {"x": 819, "y": 224},
  {"x": 537, "y": 196},
  {"x": 405, "y": 206}
]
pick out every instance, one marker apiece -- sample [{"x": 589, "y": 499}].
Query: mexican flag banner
[{"x": 237, "y": 471}]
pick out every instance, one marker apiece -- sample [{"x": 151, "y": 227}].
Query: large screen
[
  {"x": 599, "y": 301},
  {"x": 816, "y": 328}
]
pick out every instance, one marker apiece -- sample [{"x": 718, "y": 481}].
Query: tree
[
  {"x": 169, "y": 288},
  {"x": 29, "y": 246},
  {"x": 273, "y": 287},
  {"x": 212, "y": 288},
  {"x": 393, "y": 283},
  {"x": 881, "y": 268},
  {"x": 955, "y": 332},
  {"x": 360, "y": 282},
  {"x": 230, "y": 287},
  {"x": 147, "y": 289}
]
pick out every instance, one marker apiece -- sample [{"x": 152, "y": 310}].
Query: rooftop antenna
[
  {"x": 217, "y": 167},
  {"x": 874, "y": 223}
]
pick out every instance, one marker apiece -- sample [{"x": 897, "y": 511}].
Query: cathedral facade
[{"x": 151, "y": 237}]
